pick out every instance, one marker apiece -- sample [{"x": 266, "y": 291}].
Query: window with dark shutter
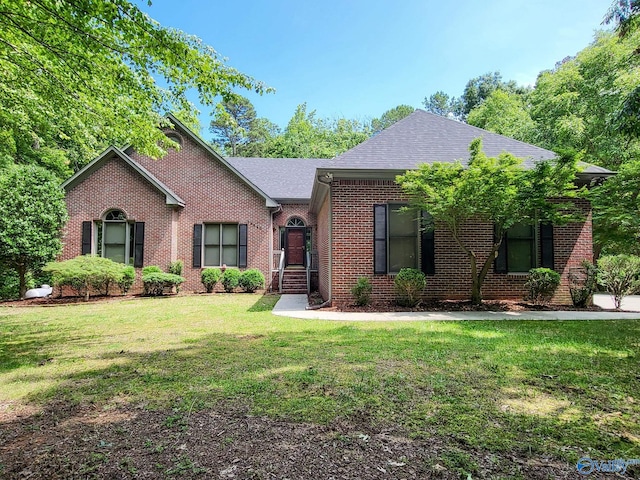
[
  {"x": 242, "y": 245},
  {"x": 500, "y": 263},
  {"x": 86, "y": 238},
  {"x": 428, "y": 246},
  {"x": 546, "y": 245},
  {"x": 138, "y": 245},
  {"x": 197, "y": 246},
  {"x": 379, "y": 239}
]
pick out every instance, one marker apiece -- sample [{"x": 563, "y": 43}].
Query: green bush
[
  {"x": 86, "y": 274},
  {"x": 230, "y": 279},
  {"x": 155, "y": 282},
  {"x": 619, "y": 275},
  {"x": 176, "y": 267},
  {"x": 582, "y": 283},
  {"x": 251, "y": 280},
  {"x": 361, "y": 291},
  {"x": 210, "y": 277},
  {"x": 409, "y": 285},
  {"x": 127, "y": 279},
  {"x": 541, "y": 284}
]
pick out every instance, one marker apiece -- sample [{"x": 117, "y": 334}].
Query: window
[
  {"x": 295, "y": 222},
  {"x": 221, "y": 244},
  {"x": 402, "y": 239},
  {"x": 525, "y": 247},
  {"x": 217, "y": 244},
  {"x": 521, "y": 248},
  {"x": 396, "y": 241},
  {"x": 114, "y": 237}
]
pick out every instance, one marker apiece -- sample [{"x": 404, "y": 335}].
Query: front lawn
[{"x": 500, "y": 398}]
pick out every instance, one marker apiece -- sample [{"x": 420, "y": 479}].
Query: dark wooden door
[{"x": 295, "y": 246}]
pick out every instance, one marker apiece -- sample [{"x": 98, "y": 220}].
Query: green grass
[{"x": 556, "y": 389}]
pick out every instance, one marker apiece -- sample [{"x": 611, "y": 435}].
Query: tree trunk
[{"x": 22, "y": 274}]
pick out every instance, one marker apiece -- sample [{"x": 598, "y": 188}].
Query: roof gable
[
  {"x": 112, "y": 152},
  {"x": 178, "y": 125},
  {"x": 424, "y": 137}
]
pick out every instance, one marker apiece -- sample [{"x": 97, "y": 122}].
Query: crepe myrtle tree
[
  {"x": 496, "y": 190},
  {"x": 32, "y": 214}
]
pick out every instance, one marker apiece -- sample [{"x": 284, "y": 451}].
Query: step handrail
[{"x": 280, "y": 270}]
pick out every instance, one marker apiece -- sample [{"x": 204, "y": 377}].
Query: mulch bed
[{"x": 466, "y": 306}]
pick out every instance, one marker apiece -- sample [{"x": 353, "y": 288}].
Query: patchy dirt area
[{"x": 86, "y": 442}]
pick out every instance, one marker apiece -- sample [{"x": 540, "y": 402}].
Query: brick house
[{"x": 327, "y": 222}]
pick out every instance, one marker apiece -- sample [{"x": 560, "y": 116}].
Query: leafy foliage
[
  {"x": 542, "y": 284},
  {"x": 390, "y": 117},
  {"x": 619, "y": 275},
  {"x": 251, "y": 280},
  {"x": 441, "y": 104},
  {"x": 230, "y": 279},
  {"x": 88, "y": 273},
  {"x": 494, "y": 190},
  {"x": 32, "y": 214},
  {"x": 582, "y": 283},
  {"x": 77, "y": 76},
  {"x": 409, "y": 284},
  {"x": 505, "y": 113},
  {"x": 155, "y": 282},
  {"x": 210, "y": 278},
  {"x": 176, "y": 267},
  {"x": 361, "y": 291},
  {"x": 126, "y": 280}
]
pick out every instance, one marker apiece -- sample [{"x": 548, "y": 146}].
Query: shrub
[
  {"x": 251, "y": 280},
  {"x": 582, "y": 283},
  {"x": 210, "y": 277},
  {"x": 409, "y": 285},
  {"x": 86, "y": 273},
  {"x": 176, "y": 267},
  {"x": 127, "y": 278},
  {"x": 361, "y": 291},
  {"x": 619, "y": 275},
  {"x": 155, "y": 282},
  {"x": 230, "y": 279},
  {"x": 541, "y": 285}
]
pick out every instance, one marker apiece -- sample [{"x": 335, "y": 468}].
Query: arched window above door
[{"x": 295, "y": 222}]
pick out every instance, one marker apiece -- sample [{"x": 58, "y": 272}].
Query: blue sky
[{"x": 357, "y": 59}]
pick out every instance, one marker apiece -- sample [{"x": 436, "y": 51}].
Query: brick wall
[
  {"x": 212, "y": 193},
  {"x": 323, "y": 249},
  {"x": 115, "y": 185},
  {"x": 352, "y": 249}
]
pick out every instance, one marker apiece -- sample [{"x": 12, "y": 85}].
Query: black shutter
[
  {"x": 500, "y": 263},
  {"x": 379, "y": 239},
  {"x": 86, "y": 238},
  {"x": 428, "y": 245},
  {"x": 546, "y": 245},
  {"x": 197, "y": 245},
  {"x": 138, "y": 245},
  {"x": 242, "y": 245}
]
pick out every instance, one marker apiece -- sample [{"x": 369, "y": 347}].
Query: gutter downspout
[{"x": 327, "y": 180}]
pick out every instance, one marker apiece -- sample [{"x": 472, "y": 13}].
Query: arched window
[
  {"x": 295, "y": 222},
  {"x": 115, "y": 237}
]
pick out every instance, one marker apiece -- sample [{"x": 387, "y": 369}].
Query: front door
[{"x": 295, "y": 246}]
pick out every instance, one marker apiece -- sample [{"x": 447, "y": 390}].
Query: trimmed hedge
[
  {"x": 210, "y": 277},
  {"x": 361, "y": 291},
  {"x": 541, "y": 285},
  {"x": 251, "y": 280},
  {"x": 409, "y": 285},
  {"x": 88, "y": 274},
  {"x": 230, "y": 279},
  {"x": 155, "y": 282}
]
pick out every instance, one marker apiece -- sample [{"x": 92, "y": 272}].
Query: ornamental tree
[
  {"x": 77, "y": 76},
  {"x": 494, "y": 190},
  {"x": 32, "y": 214}
]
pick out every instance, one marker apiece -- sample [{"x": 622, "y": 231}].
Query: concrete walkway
[{"x": 295, "y": 306}]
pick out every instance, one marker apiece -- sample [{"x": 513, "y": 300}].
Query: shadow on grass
[
  {"x": 265, "y": 303},
  {"x": 548, "y": 388}
]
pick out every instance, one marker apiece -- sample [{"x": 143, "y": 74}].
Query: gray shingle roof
[
  {"x": 423, "y": 137},
  {"x": 280, "y": 178}
]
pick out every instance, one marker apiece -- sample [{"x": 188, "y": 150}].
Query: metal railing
[
  {"x": 308, "y": 272},
  {"x": 280, "y": 270}
]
